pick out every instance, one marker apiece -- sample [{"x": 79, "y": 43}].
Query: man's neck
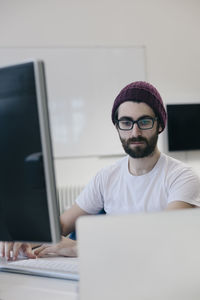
[{"x": 141, "y": 166}]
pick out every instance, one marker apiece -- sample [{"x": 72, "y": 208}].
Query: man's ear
[{"x": 159, "y": 129}]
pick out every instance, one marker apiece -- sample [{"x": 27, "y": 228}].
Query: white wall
[{"x": 168, "y": 29}]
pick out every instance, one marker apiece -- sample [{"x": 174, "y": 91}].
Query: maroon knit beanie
[{"x": 141, "y": 91}]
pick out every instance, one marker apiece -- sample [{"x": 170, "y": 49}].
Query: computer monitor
[
  {"x": 28, "y": 198},
  {"x": 183, "y": 126}
]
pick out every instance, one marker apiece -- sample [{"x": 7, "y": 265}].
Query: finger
[
  {"x": 2, "y": 249},
  {"x": 16, "y": 248},
  {"x": 28, "y": 251},
  {"x": 39, "y": 249},
  {"x": 8, "y": 248}
]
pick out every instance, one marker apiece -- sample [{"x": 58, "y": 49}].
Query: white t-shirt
[{"x": 116, "y": 190}]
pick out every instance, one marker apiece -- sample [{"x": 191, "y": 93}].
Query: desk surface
[{"x": 20, "y": 287}]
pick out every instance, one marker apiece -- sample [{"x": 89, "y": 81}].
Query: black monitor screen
[
  {"x": 183, "y": 127},
  {"x": 24, "y": 205}
]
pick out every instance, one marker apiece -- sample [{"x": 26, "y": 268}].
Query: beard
[{"x": 140, "y": 151}]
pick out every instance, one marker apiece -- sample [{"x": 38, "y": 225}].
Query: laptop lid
[{"x": 148, "y": 256}]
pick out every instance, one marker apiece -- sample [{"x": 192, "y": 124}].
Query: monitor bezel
[{"x": 46, "y": 142}]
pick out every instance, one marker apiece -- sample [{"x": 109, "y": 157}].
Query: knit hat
[{"x": 141, "y": 91}]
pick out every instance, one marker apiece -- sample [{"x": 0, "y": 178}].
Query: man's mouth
[{"x": 136, "y": 142}]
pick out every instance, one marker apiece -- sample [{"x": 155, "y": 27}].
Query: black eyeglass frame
[{"x": 137, "y": 122}]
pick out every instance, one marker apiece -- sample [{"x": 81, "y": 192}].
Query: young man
[{"x": 144, "y": 181}]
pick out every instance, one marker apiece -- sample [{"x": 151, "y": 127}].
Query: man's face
[{"x": 136, "y": 142}]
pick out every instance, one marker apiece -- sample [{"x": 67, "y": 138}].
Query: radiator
[{"x": 67, "y": 196}]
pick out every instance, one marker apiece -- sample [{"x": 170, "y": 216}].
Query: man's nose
[{"x": 136, "y": 131}]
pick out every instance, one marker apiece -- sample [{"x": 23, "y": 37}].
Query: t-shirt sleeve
[
  {"x": 91, "y": 199},
  {"x": 185, "y": 186}
]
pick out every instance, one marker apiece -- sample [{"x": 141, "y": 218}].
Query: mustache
[{"x": 138, "y": 139}]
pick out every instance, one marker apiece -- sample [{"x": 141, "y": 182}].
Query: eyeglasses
[{"x": 143, "y": 123}]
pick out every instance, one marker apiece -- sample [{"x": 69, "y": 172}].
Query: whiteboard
[{"x": 82, "y": 84}]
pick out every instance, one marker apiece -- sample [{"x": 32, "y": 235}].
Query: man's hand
[
  {"x": 179, "y": 205},
  {"x": 12, "y": 250},
  {"x": 66, "y": 247}
]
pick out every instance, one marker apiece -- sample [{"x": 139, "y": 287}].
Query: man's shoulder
[
  {"x": 175, "y": 165},
  {"x": 173, "y": 161}
]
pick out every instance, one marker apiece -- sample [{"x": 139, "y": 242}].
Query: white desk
[{"x": 20, "y": 287}]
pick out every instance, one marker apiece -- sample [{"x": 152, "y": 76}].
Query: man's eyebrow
[
  {"x": 125, "y": 118},
  {"x": 146, "y": 116},
  {"x": 131, "y": 119}
]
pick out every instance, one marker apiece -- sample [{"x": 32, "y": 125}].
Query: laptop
[{"x": 146, "y": 256}]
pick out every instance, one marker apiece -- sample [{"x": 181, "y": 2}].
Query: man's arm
[
  {"x": 179, "y": 205},
  {"x": 69, "y": 217},
  {"x": 66, "y": 247}
]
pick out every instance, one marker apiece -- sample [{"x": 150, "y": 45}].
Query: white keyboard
[{"x": 58, "y": 267}]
